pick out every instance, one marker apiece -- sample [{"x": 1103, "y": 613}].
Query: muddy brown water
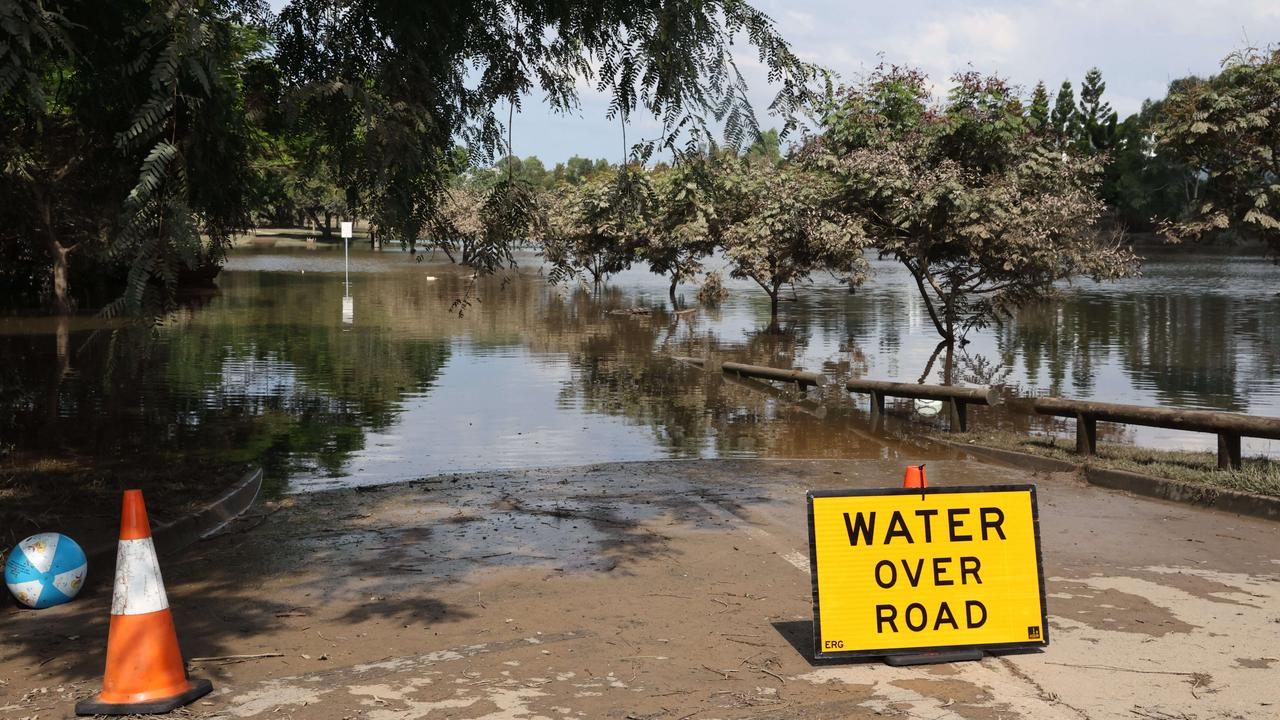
[{"x": 525, "y": 374}]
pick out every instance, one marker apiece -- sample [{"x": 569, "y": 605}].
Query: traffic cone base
[
  {"x": 195, "y": 690},
  {"x": 145, "y": 673}
]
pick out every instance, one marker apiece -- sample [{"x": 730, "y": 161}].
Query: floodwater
[{"x": 522, "y": 374}]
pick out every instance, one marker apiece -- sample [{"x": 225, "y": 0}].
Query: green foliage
[
  {"x": 125, "y": 146},
  {"x": 597, "y": 228},
  {"x": 766, "y": 147},
  {"x": 1145, "y": 181},
  {"x": 1227, "y": 130},
  {"x": 577, "y": 170},
  {"x": 1038, "y": 113},
  {"x": 1064, "y": 123},
  {"x": 139, "y": 135},
  {"x": 782, "y": 224},
  {"x": 685, "y": 227},
  {"x": 1097, "y": 119},
  {"x": 969, "y": 198},
  {"x": 390, "y": 84}
]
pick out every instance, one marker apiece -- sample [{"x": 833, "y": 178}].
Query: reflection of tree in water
[
  {"x": 1190, "y": 349},
  {"x": 272, "y": 377},
  {"x": 622, "y": 365}
]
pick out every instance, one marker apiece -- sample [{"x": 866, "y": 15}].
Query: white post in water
[{"x": 348, "y": 305}]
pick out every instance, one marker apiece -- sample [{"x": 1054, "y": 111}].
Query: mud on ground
[{"x": 667, "y": 590}]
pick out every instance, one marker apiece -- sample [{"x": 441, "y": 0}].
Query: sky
[{"x": 1139, "y": 45}]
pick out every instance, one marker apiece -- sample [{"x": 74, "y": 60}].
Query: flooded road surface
[
  {"x": 523, "y": 374},
  {"x": 665, "y": 590}
]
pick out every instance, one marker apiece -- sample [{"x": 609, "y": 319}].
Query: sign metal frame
[{"x": 818, "y": 652}]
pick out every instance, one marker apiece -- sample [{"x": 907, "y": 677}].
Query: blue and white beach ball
[{"x": 45, "y": 570}]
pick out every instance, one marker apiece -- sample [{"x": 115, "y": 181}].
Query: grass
[{"x": 1258, "y": 475}]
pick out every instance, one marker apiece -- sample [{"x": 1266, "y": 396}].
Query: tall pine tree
[
  {"x": 1039, "y": 112},
  {"x": 1096, "y": 118},
  {"x": 1063, "y": 123}
]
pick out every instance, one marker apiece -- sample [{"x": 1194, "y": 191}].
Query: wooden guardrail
[
  {"x": 1229, "y": 427},
  {"x": 957, "y": 398},
  {"x": 799, "y": 377}
]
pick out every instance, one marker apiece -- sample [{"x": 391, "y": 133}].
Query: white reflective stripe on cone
[{"x": 139, "y": 587}]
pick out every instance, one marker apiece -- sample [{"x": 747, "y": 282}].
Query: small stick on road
[
  {"x": 235, "y": 658},
  {"x": 1122, "y": 669}
]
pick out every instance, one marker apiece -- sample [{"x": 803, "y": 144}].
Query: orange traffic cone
[
  {"x": 915, "y": 477},
  {"x": 145, "y": 672}
]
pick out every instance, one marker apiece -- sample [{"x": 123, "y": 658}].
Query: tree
[
  {"x": 130, "y": 153},
  {"x": 598, "y": 227},
  {"x": 979, "y": 211},
  {"x": 768, "y": 146},
  {"x": 1064, "y": 124},
  {"x": 576, "y": 170},
  {"x": 1096, "y": 119},
  {"x": 125, "y": 142},
  {"x": 1144, "y": 180},
  {"x": 781, "y": 226},
  {"x": 685, "y": 228},
  {"x": 1227, "y": 130},
  {"x": 394, "y": 82},
  {"x": 1038, "y": 113}
]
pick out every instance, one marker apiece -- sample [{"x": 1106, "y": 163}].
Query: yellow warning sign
[{"x": 918, "y": 570}]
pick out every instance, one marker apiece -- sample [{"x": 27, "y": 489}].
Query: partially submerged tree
[
  {"x": 597, "y": 228},
  {"x": 981, "y": 214},
  {"x": 1227, "y": 130},
  {"x": 782, "y": 224},
  {"x": 685, "y": 228}
]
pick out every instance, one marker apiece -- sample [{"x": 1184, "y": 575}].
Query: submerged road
[{"x": 666, "y": 590}]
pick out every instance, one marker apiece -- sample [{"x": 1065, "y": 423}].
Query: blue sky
[{"x": 1140, "y": 45}]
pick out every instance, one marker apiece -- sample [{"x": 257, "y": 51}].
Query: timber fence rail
[
  {"x": 802, "y": 378},
  {"x": 958, "y": 399},
  {"x": 1229, "y": 427}
]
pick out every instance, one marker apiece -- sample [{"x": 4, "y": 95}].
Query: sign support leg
[{"x": 932, "y": 658}]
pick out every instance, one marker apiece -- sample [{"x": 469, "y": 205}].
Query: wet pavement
[{"x": 674, "y": 590}]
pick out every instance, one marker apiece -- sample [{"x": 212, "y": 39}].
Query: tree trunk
[
  {"x": 919, "y": 275},
  {"x": 675, "y": 279},
  {"x": 63, "y": 347},
  {"x": 773, "y": 310},
  {"x": 62, "y": 304}
]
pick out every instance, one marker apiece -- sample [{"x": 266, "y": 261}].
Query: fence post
[
  {"x": 1086, "y": 435},
  {"x": 877, "y": 404},
  {"x": 1228, "y": 451},
  {"x": 959, "y": 415}
]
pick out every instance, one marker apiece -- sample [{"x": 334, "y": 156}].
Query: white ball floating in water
[
  {"x": 45, "y": 570},
  {"x": 928, "y": 408}
]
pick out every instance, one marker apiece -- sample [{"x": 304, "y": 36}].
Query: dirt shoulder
[{"x": 665, "y": 590}]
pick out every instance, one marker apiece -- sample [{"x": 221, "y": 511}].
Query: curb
[
  {"x": 178, "y": 534},
  {"x": 1226, "y": 500}
]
